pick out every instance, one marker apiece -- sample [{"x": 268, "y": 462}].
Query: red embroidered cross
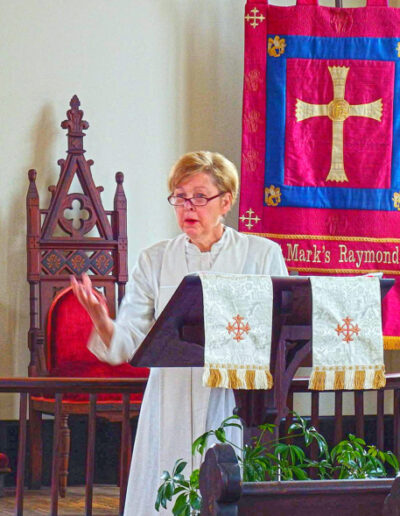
[
  {"x": 238, "y": 328},
  {"x": 348, "y": 329}
]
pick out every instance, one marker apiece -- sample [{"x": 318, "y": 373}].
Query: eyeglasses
[{"x": 177, "y": 200}]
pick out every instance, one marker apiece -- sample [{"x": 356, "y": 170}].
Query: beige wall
[{"x": 155, "y": 78}]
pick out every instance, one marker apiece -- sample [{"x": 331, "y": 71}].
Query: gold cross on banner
[
  {"x": 249, "y": 218},
  {"x": 255, "y": 18},
  {"x": 338, "y": 110}
]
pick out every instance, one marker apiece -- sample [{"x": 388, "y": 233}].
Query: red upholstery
[
  {"x": 4, "y": 463},
  {"x": 69, "y": 328}
]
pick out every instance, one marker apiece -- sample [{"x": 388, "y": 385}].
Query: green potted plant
[{"x": 286, "y": 458}]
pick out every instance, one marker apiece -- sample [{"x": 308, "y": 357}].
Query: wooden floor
[{"x": 37, "y": 503}]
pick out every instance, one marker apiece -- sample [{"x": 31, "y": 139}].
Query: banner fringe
[
  {"x": 233, "y": 380},
  {"x": 379, "y": 380},
  {"x": 214, "y": 378},
  {"x": 338, "y": 383},
  {"x": 391, "y": 342},
  {"x": 252, "y": 379},
  {"x": 359, "y": 380},
  {"x": 345, "y": 378},
  {"x": 317, "y": 380}
]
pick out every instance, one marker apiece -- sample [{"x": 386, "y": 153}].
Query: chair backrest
[
  {"x": 75, "y": 234},
  {"x": 68, "y": 330}
]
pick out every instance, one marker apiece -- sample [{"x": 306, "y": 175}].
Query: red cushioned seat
[{"x": 68, "y": 330}]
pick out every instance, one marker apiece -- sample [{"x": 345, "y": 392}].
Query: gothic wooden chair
[{"x": 95, "y": 242}]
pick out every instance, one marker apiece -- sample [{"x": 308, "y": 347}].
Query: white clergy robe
[{"x": 176, "y": 408}]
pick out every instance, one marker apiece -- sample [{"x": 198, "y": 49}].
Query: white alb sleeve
[{"x": 134, "y": 320}]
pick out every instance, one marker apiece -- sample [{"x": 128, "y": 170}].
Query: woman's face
[{"x": 201, "y": 223}]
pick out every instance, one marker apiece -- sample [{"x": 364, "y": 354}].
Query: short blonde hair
[{"x": 221, "y": 170}]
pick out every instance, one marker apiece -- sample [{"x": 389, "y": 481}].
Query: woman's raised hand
[{"x": 94, "y": 307}]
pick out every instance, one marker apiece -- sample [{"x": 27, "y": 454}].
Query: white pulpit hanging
[
  {"x": 237, "y": 323},
  {"x": 347, "y": 342}
]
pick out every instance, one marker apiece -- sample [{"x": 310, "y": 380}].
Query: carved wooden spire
[{"x": 75, "y": 126}]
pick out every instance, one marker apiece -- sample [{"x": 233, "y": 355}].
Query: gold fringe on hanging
[
  {"x": 338, "y": 383},
  {"x": 233, "y": 380},
  {"x": 391, "y": 342},
  {"x": 214, "y": 378},
  {"x": 247, "y": 377},
  {"x": 270, "y": 380},
  {"x": 359, "y": 379},
  {"x": 379, "y": 380},
  {"x": 317, "y": 380},
  {"x": 250, "y": 379},
  {"x": 337, "y": 378}
]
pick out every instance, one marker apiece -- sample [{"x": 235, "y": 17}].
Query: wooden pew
[{"x": 224, "y": 494}]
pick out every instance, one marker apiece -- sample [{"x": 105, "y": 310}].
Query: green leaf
[
  {"x": 165, "y": 475},
  {"x": 299, "y": 473},
  {"x": 180, "y": 505},
  {"x": 268, "y": 427},
  {"x": 392, "y": 460},
  {"x": 160, "y": 496},
  {"x": 169, "y": 491},
  {"x": 298, "y": 452},
  {"x": 282, "y": 449},
  {"x": 220, "y": 435},
  {"x": 195, "y": 501},
  {"x": 180, "y": 489},
  {"x": 322, "y": 445},
  {"x": 200, "y": 443},
  {"x": 194, "y": 478},
  {"x": 179, "y": 466}
]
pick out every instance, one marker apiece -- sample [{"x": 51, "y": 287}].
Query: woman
[{"x": 176, "y": 407}]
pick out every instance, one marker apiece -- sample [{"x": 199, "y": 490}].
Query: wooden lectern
[{"x": 177, "y": 340}]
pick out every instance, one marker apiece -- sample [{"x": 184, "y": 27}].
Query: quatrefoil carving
[{"x": 77, "y": 214}]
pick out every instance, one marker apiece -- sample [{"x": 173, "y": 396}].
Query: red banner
[{"x": 321, "y": 126}]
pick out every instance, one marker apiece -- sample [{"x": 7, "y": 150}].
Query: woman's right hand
[{"x": 95, "y": 307}]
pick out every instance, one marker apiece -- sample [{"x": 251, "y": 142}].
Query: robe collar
[{"x": 231, "y": 258}]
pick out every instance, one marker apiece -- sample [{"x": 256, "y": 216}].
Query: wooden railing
[
  {"x": 300, "y": 385},
  {"x": 36, "y": 386},
  {"x": 58, "y": 386}
]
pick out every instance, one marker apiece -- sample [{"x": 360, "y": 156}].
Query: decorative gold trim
[
  {"x": 325, "y": 237},
  {"x": 396, "y": 200},
  {"x": 391, "y": 342},
  {"x": 318, "y": 377},
  {"x": 379, "y": 379},
  {"x": 338, "y": 383},
  {"x": 317, "y": 380},
  {"x": 272, "y": 196},
  {"x": 233, "y": 378},
  {"x": 234, "y": 366},
  {"x": 276, "y": 46},
  {"x": 344, "y": 271},
  {"x": 250, "y": 377}
]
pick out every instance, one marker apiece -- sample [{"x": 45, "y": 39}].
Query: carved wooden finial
[
  {"x": 75, "y": 102},
  {"x": 32, "y": 195},
  {"x": 32, "y": 175},
  {"x": 75, "y": 126}
]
